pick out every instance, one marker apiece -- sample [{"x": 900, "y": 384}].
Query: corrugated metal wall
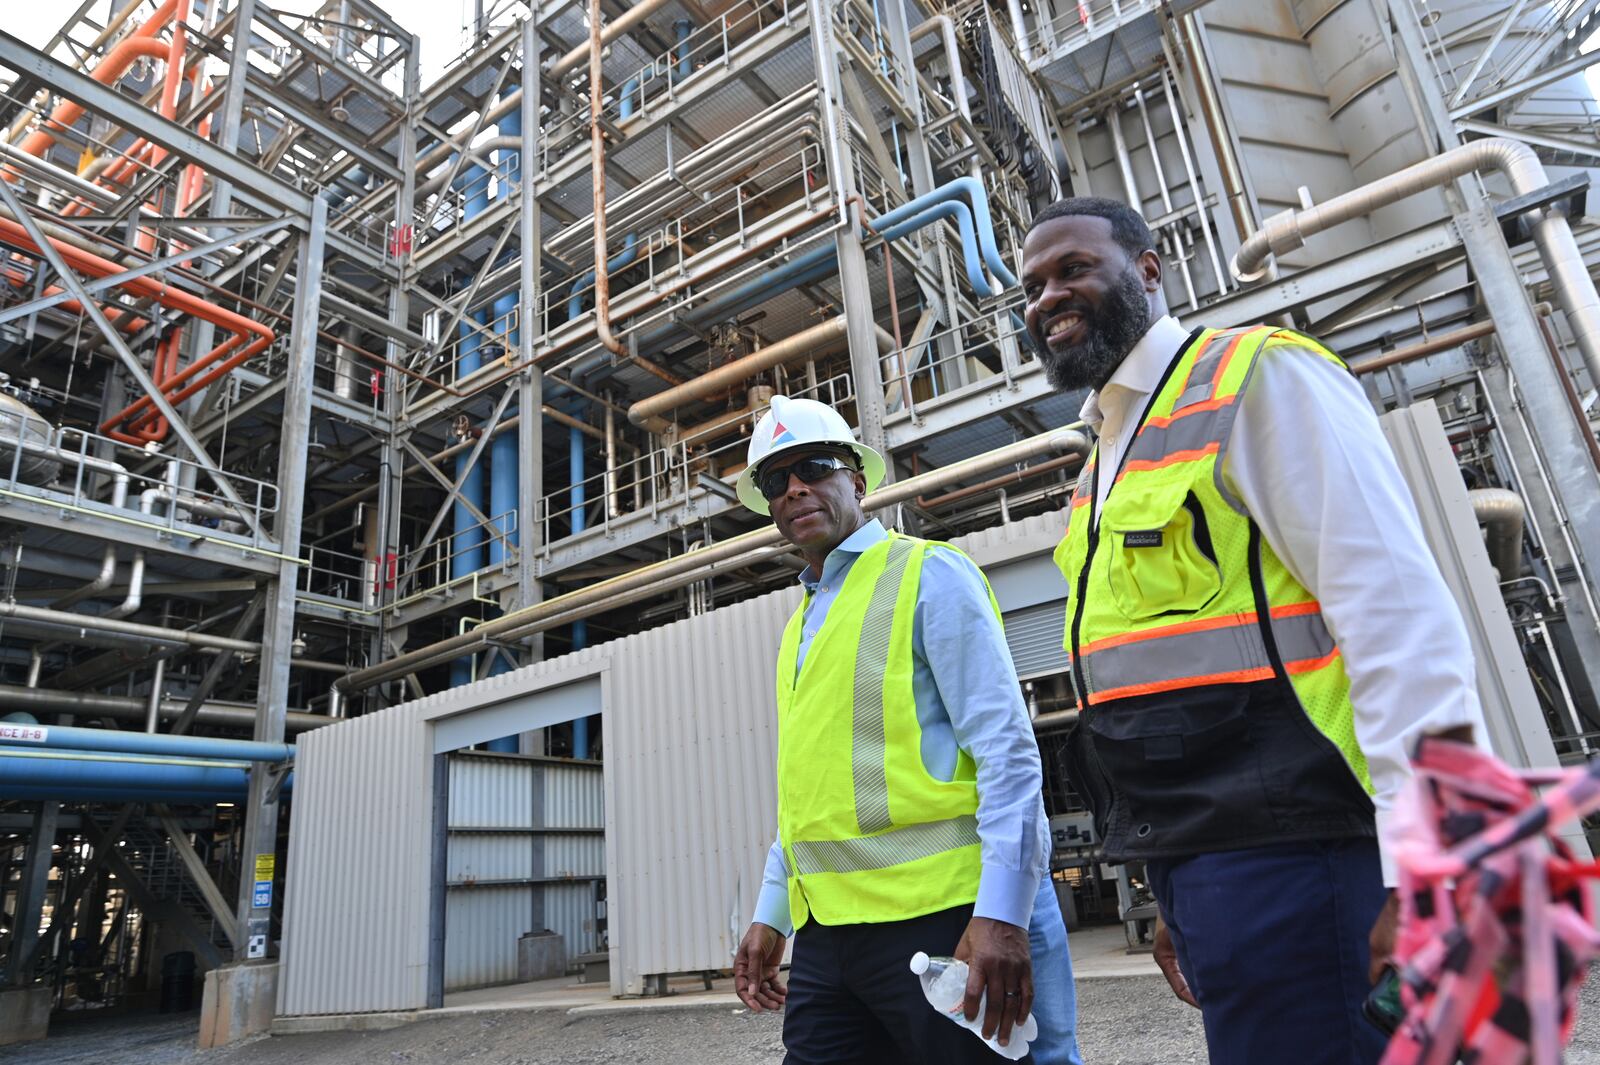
[
  {"x": 357, "y": 884},
  {"x": 689, "y": 805},
  {"x": 515, "y": 825}
]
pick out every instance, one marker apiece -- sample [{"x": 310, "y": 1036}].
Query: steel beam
[
  {"x": 260, "y": 836},
  {"x": 130, "y": 361},
  {"x": 212, "y": 895},
  {"x": 30, "y": 895},
  {"x": 530, "y": 386}
]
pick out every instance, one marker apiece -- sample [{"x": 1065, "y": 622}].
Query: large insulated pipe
[
  {"x": 651, "y": 579},
  {"x": 55, "y": 775},
  {"x": 131, "y": 708},
  {"x": 647, "y": 413},
  {"x": 466, "y": 545},
  {"x": 113, "y": 741},
  {"x": 1574, "y": 289},
  {"x": 1501, "y": 513},
  {"x": 599, "y": 38}
]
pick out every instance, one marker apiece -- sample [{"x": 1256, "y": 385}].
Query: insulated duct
[{"x": 1501, "y": 513}]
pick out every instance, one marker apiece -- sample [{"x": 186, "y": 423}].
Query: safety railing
[
  {"x": 949, "y": 359},
  {"x": 1082, "y": 21},
  {"x": 80, "y": 472},
  {"x": 427, "y": 570},
  {"x": 340, "y": 576}
]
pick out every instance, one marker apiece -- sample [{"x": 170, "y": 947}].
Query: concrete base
[
  {"x": 24, "y": 1014},
  {"x": 541, "y": 956},
  {"x": 240, "y": 1000}
]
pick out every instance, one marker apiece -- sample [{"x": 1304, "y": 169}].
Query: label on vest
[{"x": 1142, "y": 538}]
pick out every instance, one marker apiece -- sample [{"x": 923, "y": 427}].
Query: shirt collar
[
  {"x": 1138, "y": 375},
  {"x": 854, "y": 544}
]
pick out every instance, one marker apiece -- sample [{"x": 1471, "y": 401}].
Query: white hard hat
[{"x": 792, "y": 424}]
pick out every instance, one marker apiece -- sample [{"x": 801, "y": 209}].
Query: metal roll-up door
[{"x": 1034, "y": 634}]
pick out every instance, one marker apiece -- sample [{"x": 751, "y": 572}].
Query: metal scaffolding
[{"x": 324, "y": 389}]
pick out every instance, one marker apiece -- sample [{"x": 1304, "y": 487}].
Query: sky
[{"x": 439, "y": 23}]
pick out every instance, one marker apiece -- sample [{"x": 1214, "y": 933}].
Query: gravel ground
[{"x": 1133, "y": 1021}]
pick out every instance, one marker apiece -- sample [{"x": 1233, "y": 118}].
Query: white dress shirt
[{"x": 1311, "y": 464}]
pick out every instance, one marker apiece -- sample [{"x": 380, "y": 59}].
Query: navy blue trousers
[
  {"x": 853, "y": 999},
  {"x": 1273, "y": 942}
]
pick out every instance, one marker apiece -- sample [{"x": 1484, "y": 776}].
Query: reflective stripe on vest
[
  {"x": 895, "y": 847},
  {"x": 1226, "y": 650},
  {"x": 872, "y": 661}
]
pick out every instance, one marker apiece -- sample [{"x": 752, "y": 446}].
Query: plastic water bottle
[{"x": 944, "y": 985}]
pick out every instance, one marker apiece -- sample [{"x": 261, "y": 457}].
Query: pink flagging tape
[{"x": 1497, "y": 925}]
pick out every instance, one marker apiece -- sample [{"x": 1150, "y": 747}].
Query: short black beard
[{"x": 1110, "y": 332}]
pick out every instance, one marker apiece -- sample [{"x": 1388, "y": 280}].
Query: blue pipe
[
  {"x": 111, "y": 741},
  {"x": 973, "y": 189},
  {"x": 580, "y": 629},
  {"x": 682, "y": 29},
  {"x": 630, "y": 252},
  {"x": 467, "y": 554},
  {"x": 152, "y": 779},
  {"x": 504, "y": 458},
  {"x": 969, "y": 243}
]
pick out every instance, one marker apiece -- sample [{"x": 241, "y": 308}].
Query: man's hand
[
  {"x": 997, "y": 960},
  {"x": 1381, "y": 939},
  {"x": 755, "y": 968},
  {"x": 1167, "y": 962}
]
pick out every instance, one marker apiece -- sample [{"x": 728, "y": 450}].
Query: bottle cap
[{"x": 919, "y": 963}]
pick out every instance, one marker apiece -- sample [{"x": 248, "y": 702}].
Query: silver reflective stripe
[
  {"x": 888, "y": 849},
  {"x": 867, "y": 768},
  {"x": 1205, "y": 653},
  {"x": 1191, "y": 433},
  {"x": 1302, "y": 638},
  {"x": 1177, "y": 656}
]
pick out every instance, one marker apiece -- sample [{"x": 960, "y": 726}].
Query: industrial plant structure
[{"x": 375, "y": 591}]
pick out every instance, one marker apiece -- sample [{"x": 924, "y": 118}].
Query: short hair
[{"x": 1128, "y": 227}]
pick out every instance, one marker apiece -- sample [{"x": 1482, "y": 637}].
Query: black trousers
[{"x": 853, "y": 997}]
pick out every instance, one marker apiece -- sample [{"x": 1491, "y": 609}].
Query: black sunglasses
[{"x": 773, "y": 482}]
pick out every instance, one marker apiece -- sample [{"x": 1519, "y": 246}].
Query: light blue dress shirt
[{"x": 967, "y": 699}]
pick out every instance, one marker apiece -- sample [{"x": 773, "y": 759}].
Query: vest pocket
[{"x": 1160, "y": 557}]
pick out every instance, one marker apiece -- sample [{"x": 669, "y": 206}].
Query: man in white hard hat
[{"x": 909, "y": 809}]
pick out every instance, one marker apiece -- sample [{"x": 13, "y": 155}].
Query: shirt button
[{"x": 826, "y": 589}]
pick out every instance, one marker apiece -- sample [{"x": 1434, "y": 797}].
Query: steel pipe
[
  {"x": 1574, "y": 289},
  {"x": 631, "y": 16},
  {"x": 154, "y": 633},
  {"x": 1501, "y": 513},
  {"x": 597, "y": 168},
  {"x": 130, "y": 708},
  {"x": 650, "y": 580},
  {"x": 647, "y": 412},
  {"x": 113, "y": 741}
]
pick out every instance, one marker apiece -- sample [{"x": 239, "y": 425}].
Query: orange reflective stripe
[
  {"x": 1193, "y": 455},
  {"x": 1291, "y": 610},
  {"x": 1311, "y": 665},
  {"x": 1203, "y": 625},
  {"x": 1194, "y": 408},
  {"x": 1238, "y": 676}
]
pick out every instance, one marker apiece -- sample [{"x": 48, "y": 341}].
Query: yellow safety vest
[
  {"x": 868, "y": 834},
  {"x": 1215, "y": 707}
]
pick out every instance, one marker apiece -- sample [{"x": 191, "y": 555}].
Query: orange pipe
[
  {"x": 221, "y": 360},
  {"x": 141, "y": 42}
]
